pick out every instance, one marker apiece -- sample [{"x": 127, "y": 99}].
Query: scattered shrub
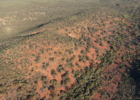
[
  {"x": 51, "y": 59},
  {"x": 60, "y": 68},
  {"x": 53, "y": 82},
  {"x": 44, "y": 79},
  {"x": 53, "y": 72},
  {"x": 37, "y": 59}
]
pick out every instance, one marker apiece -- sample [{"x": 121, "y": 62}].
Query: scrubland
[{"x": 92, "y": 54}]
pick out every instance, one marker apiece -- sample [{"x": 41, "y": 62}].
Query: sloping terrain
[{"x": 90, "y": 55}]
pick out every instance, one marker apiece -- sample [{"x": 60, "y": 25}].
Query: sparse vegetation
[{"x": 93, "y": 52}]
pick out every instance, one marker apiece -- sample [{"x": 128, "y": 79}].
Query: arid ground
[{"x": 70, "y": 50}]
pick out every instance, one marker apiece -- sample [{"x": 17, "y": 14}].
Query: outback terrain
[{"x": 70, "y": 50}]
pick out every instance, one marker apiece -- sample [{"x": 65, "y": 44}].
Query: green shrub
[
  {"x": 71, "y": 65},
  {"x": 53, "y": 72},
  {"x": 60, "y": 68},
  {"x": 65, "y": 81},
  {"x": 65, "y": 75},
  {"x": 78, "y": 65},
  {"x": 53, "y": 82},
  {"x": 44, "y": 79},
  {"x": 45, "y": 65},
  {"x": 37, "y": 59},
  {"x": 51, "y": 59}
]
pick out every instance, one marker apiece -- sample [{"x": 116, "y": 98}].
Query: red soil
[{"x": 24, "y": 57}]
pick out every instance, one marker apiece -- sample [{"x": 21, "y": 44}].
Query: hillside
[{"x": 92, "y": 54}]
